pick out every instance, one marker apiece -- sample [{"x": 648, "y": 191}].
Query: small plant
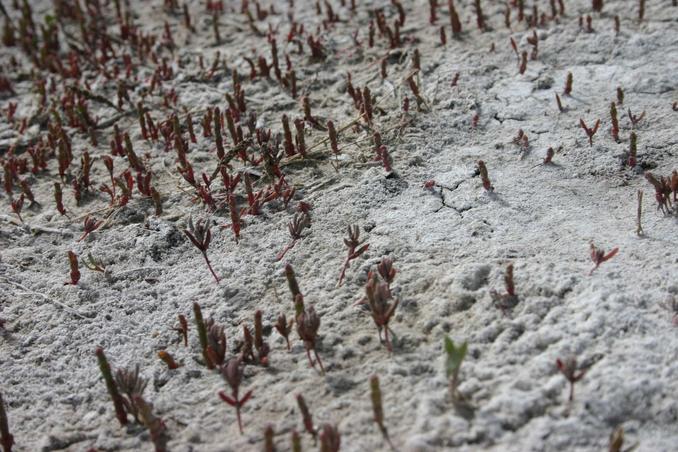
[
  {"x": 93, "y": 264},
  {"x": 202, "y": 335},
  {"x": 561, "y": 108},
  {"x": 568, "y": 84},
  {"x": 117, "y": 399},
  {"x": 216, "y": 343},
  {"x": 6, "y": 438},
  {"x": 568, "y": 368},
  {"x": 386, "y": 270},
  {"x": 635, "y": 119},
  {"x": 132, "y": 386},
  {"x": 590, "y": 132},
  {"x": 308, "y": 323},
  {"x": 200, "y": 236},
  {"x": 482, "y": 170},
  {"x": 182, "y": 329},
  {"x": 355, "y": 249},
  {"x": 639, "y": 212},
  {"x": 269, "y": 444},
  {"x": 454, "y": 19},
  {"x": 377, "y": 408},
  {"x": 454, "y": 357},
  {"x": 615, "y": 122},
  {"x": 90, "y": 225},
  {"x": 284, "y": 328},
  {"x": 663, "y": 188},
  {"x": 295, "y": 228},
  {"x": 306, "y": 416},
  {"x": 598, "y": 256},
  {"x": 379, "y": 298},
  {"x": 509, "y": 299},
  {"x": 330, "y": 440},
  {"x": 168, "y": 359},
  {"x": 155, "y": 426},
  {"x": 75, "y": 272},
  {"x": 633, "y": 150},
  {"x": 232, "y": 372}
]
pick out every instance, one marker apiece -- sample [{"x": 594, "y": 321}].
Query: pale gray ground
[{"x": 450, "y": 246}]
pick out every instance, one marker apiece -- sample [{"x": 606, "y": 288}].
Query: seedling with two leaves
[
  {"x": 232, "y": 372},
  {"x": 454, "y": 356}
]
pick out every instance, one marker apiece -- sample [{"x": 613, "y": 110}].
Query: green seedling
[{"x": 454, "y": 357}]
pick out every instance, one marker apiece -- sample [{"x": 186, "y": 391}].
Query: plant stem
[{"x": 204, "y": 254}]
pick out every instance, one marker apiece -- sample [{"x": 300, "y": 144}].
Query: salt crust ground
[{"x": 450, "y": 246}]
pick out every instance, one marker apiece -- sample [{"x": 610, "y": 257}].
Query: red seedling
[
  {"x": 568, "y": 84},
  {"x": 306, "y": 416},
  {"x": 482, "y": 170},
  {"x": 182, "y": 329},
  {"x": 382, "y": 308},
  {"x": 216, "y": 344},
  {"x": 200, "y": 235},
  {"x": 232, "y": 372},
  {"x": 633, "y": 151},
  {"x": 6, "y": 438},
  {"x": 75, "y": 272},
  {"x": 590, "y": 132},
  {"x": 454, "y": 18},
  {"x": 17, "y": 205},
  {"x": 598, "y": 256},
  {"x": 330, "y": 440},
  {"x": 568, "y": 368},
  {"x": 284, "y": 328},
  {"x": 155, "y": 426},
  {"x": 384, "y": 157},
  {"x": 663, "y": 188},
  {"x": 355, "y": 249},
  {"x": 386, "y": 270},
  {"x": 635, "y": 119},
  {"x": 90, "y": 225},
  {"x": 561, "y": 108},
  {"x": 168, "y": 359},
  {"x": 549, "y": 156},
  {"x": 295, "y": 228},
  {"x": 308, "y": 323},
  {"x": 509, "y": 299},
  {"x": 615, "y": 122}
]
